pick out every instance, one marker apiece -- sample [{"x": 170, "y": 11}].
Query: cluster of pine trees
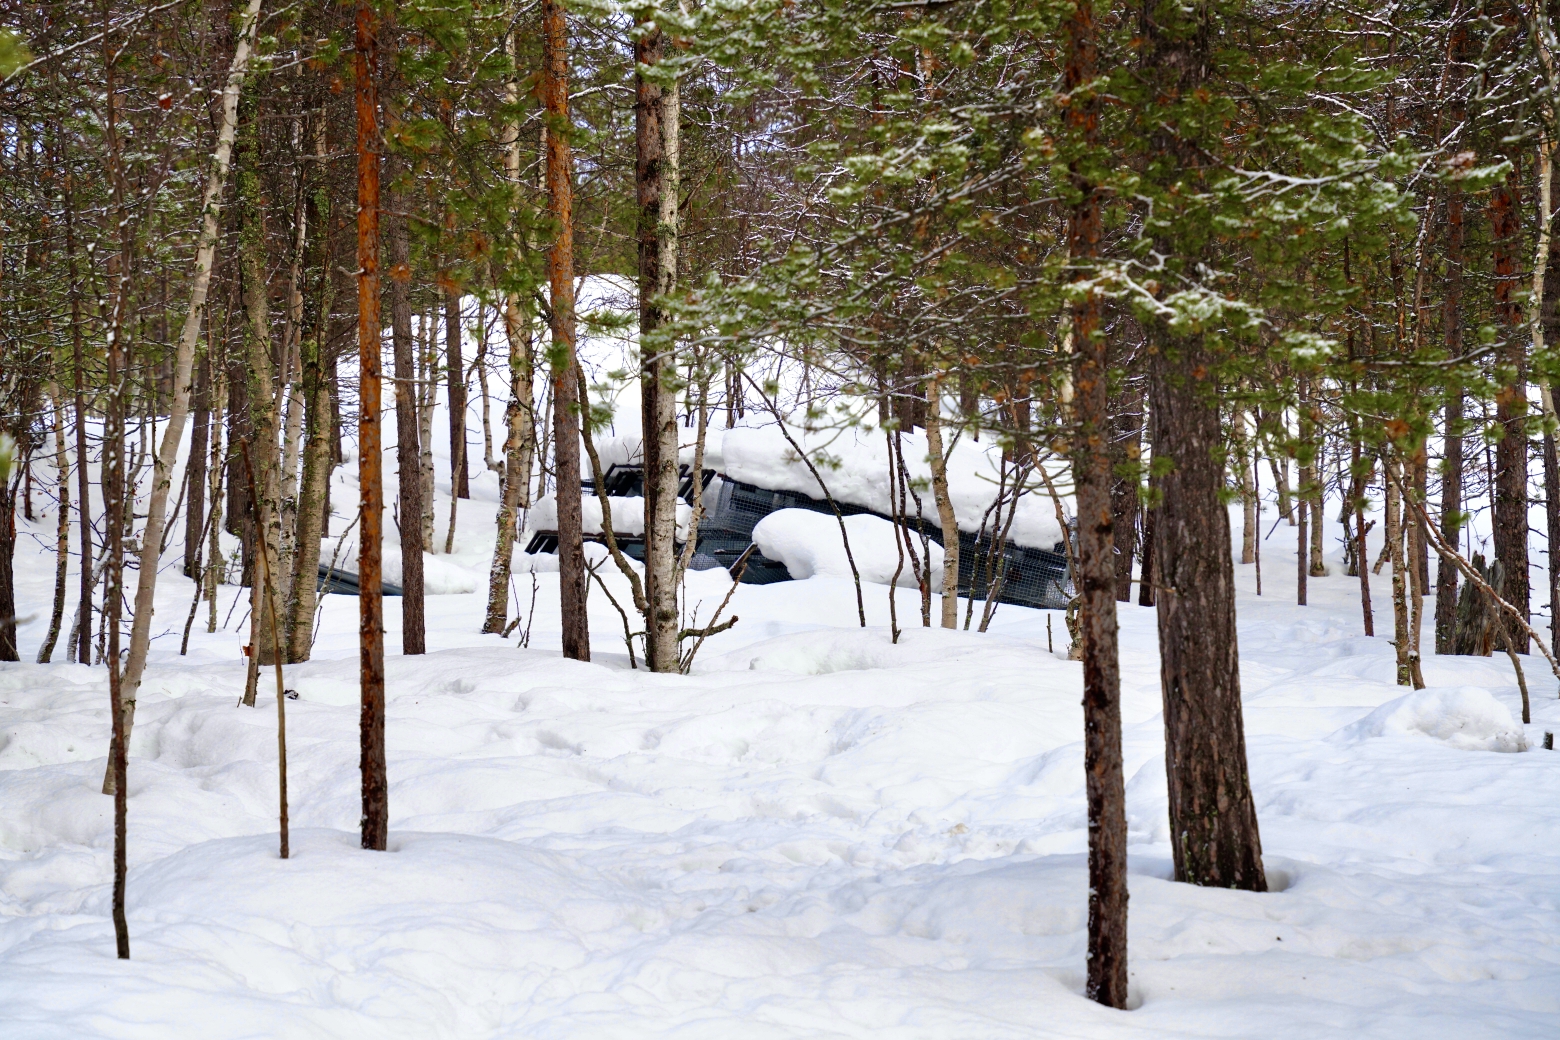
[{"x": 1172, "y": 244}]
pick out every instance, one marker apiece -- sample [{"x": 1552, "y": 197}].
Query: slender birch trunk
[
  {"x": 263, "y": 410},
  {"x": 519, "y": 417},
  {"x": 945, "y": 516},
  {"x": 427, "y": 397},
  {"x": 657, "y": 113},
  {"x": 292, "y": 422},
  {"x": 1400, "y": 634},
  {"x": 173, "y": 432}
]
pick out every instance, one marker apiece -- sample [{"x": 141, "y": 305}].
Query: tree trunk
[
  {"x": 560, "y": 272},
  {"x": 289, "y": 387},
  {"x": 1212, "y": 816},
  {"x": 1211, "y": 810},
  {"x": 1413, "y": 544},
  {"x": 195, "y": 469},
  {"x": 112, "y": 476},
  {"x": 1104, "y": 775},
  {"x": 315, "y": 388},
  {"x": 946, "y": 519},
  {"x": 1361, "y": 470},
  {"x": 408, "y": 456},
  {"x": 216, "y": 566},
  {"x": 519, "y": 417},
  {"x": 1148, "y": 576},
  {"x": 1247, "y": 462},
  {"x": 455, "y": 380},
  {"x": 1302, "y": 539},
  {"x": 1552, "y": 516},
  {"x": 371, "y": 627},
  {"x": 173, "y": 431},
  {"x": 8, "y": 488},
  {"x": 656, "y": 119},
  {"x": 1126, "y": 502},
  {"x": 62, "y": 527},
  {"x": 82, "y": 651},
  {"x": 428, "y": 394},
  {"x": 1510, "y": 492},
  {"x": 263, "y": 417},
  {"x": 1400, "y": 636}
]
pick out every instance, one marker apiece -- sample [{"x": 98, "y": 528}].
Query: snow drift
[
  {"x": 854, "y": 465},
  {"x": 809, "y": 544},
  {"x": 1467, "y": 718}
]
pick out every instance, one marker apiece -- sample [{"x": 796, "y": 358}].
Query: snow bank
[
  {"x": 1466, "y": 717},
  {"x": 809, "y": 544},
  {"x": 628, "y": 515},
  {"x": 854, "y": 464},
  {"x": 441, "y": 575},
  {"x": 627, "y": 449}
]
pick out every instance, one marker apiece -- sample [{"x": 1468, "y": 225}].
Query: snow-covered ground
[{"x": 819, "y": 834}]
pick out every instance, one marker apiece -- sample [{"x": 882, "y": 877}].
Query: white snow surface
[
  {"x": 628, "y": 515},
  {"x": 853, "y": 463},
  {"x": 809, "y": 544},
  {"x": 1466, "y": 717},
  {"x": 820, "y": 833}
]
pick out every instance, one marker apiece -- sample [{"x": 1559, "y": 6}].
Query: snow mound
[
  {"x": 1468, "y": 718},
  {"x": 825, "y": 651},
  {"x": 441, "y": 577},
  {"x": 628, "y": 515},
  {"x": 809, "y": 544},
  {"x": 854, "y": 464}
]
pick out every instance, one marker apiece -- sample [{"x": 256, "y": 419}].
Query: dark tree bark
[
  {"x": 371, "y": 628},
  {"x": 1213, "y": 819},
  {"x": 1552, "y": 518},
  {"x": 1511, "y": 456},
  {"x": 455, "y": 377},
  {"x": 195, "y": 470},
  {"x": 407, "y": 449},
  {"x": 239, "y": 513},
  {"x": 8, "y": 489},
  {"x": 1096, "y": 579},
  {"x": 1125, "y": 502},
  {"x": 113, "y": 479},
  {"x": 1452, "y": 464},
  {"x": 565, "y": 392},
  {"x": 1212, "y": 815},
  {"x": 1148, "y": 574},
  {"x": 83, "y": 647}
]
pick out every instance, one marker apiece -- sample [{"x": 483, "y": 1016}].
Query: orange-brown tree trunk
[
  {"x": 371, "y": 627},
  {"x": 560, "y": 272},
  {"x": 1096, "y": 565}
]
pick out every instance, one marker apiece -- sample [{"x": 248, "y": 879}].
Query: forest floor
[{"x": 818, "y": 834}]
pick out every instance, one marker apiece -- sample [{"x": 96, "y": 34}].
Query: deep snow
[{"x": 818, "y": 834}]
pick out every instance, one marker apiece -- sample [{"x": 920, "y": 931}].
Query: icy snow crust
[{"x": 819, "y": 834}]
